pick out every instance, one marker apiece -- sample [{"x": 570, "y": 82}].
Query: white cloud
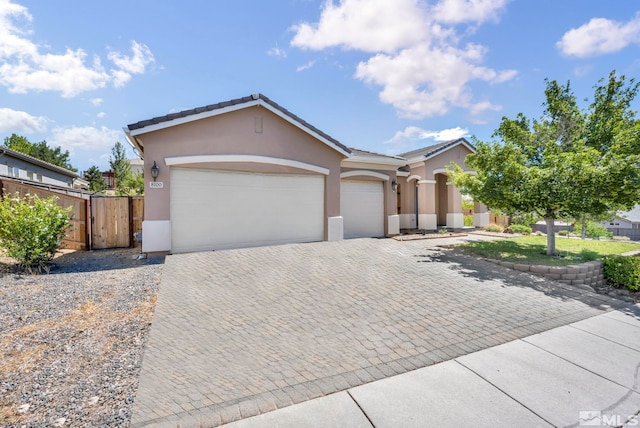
[
  {"x": 97, "y": 101},
  {"x": 85, "y": 138},
  {"x": 418, "y": 60},
  {"x": 478, "y": 112},
  {"x": 423, "y": 81},
  {"x": 127, "y": 65},
  {"x": 15, "y": 121},
  {"x": 600, "y": 36},
  {"x": 277, "y": 52},
  {"x": 26, "y": 66},
  {"x": 458, "y": 11},
  {"x": 101, "y": 115},
  {"x": 306, "y": 66},
  {"x": 413, "y": 133},
  {"x": 367, "y": 25}
]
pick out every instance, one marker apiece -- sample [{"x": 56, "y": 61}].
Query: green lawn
[{"x": 532, "y": 249}]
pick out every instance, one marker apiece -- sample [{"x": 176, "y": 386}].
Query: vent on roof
[{"x": 255, "y": 96}]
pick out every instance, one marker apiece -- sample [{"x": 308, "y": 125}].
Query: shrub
[
  {"x": 596, "y": 230},
  {"x": 593, "y": 230},
  {"x": 468, "y": 220},
  {"x": 521, "y": 228},
  {"x": 563, "y": 232},
  {"x": 492, "y": 227},
  {"x": 31, "y": 229},
  {"x": 623, "y": 272},
  {"x": 589, "y": 255}
]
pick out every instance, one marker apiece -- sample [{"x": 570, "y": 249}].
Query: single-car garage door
[
  {"x": 362, "y": 208},
  {"x": 213, "y": 210}
]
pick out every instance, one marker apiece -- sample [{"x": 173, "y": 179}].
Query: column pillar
[
  {"x": 408, "y": 218},
  {"x": 455, "y": 215},
  {"x": 427, "y": 218},
  {"x": 480, "y": 214}
]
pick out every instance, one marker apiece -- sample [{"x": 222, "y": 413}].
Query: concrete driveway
[{"x": 242, "y": 332}]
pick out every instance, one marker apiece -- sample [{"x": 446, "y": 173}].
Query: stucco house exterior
[
  {"x": 20, "y": 166},
  {"x": 428, "y": 199},
  {"x": 248, "y": 172}
]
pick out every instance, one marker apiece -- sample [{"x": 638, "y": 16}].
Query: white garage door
[
  {"x": 213, "y": 210},
  {"x": 362, "y": 208}
]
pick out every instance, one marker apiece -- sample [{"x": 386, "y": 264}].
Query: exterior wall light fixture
[{"x": 155, "y": 170}]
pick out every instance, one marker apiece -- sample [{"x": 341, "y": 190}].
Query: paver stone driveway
[{"x": 242, "y": 332}]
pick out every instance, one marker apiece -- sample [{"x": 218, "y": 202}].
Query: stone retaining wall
[{"x": 590, "y": 273}]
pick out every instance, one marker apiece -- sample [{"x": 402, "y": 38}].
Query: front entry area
[
  {"x": 362, "y": 208},
  {"x": 215, "y": 210}
]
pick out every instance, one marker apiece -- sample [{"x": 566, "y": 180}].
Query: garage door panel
[
  {"x": 220, "y": 210},
  {"x": 362, "y": 208}
]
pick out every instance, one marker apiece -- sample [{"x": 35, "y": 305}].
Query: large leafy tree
[
  {"x": 569, "y": 163},
  {"x": 41, "y": 150},
  {"x": 119, "y": 165},
  {"x": 94, "y": 177}
]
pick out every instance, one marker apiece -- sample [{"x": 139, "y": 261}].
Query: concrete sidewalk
[{"x": 581, "y": 374}]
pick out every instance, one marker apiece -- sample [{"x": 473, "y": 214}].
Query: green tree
[
  {"x": 41, "y": 150},
  {"x": 132, "y": 185},
  {"x": 119, "y": 165},
  {"x": 31, "y": 229},
  {"x": 569, "y": 163},
  {"x": 94, "y": 177}
]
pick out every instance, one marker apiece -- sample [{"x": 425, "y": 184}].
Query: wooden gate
[{"x": 110, "y": 222}]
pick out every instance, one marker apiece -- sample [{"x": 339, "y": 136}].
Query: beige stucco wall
[
  {"x": 437, "y": 199},
  {"x": 443, "y": 160},
  {"x": 251, "y": 131}
]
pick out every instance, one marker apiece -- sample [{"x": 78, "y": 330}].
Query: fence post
[{"x": 130, "y": 203}]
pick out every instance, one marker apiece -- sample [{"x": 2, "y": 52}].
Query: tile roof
[
  {"x": 373, "y": 155},
  {"x": 430, "y": 150},
  {"x": 237, "y": 101}
]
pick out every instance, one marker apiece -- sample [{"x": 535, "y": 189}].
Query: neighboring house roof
[
  {"x": 36, "y": 161},
  {"x": 136, "y": 161},
  {"x": 434, "y": 150},
  {"x": 210, "y": 110},
  {"x": 632, "y": 216}
]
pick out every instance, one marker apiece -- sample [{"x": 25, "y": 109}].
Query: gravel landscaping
[{"x": 71, "y": 342}]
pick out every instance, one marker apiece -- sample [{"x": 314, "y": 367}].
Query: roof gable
[
  {"x": 434, "y": 150},
  {"x": 186, "y": 116}
]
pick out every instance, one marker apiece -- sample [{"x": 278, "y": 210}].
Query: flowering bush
[{"x": 31, "y": 229}]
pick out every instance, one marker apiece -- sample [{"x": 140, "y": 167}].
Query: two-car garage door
[{"x": 213, "y": 210}]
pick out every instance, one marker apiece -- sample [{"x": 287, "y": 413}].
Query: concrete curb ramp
[{"x": 582, "y": 374}]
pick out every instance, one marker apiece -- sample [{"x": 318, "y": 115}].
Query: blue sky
[{"x": 382, "y": 75}]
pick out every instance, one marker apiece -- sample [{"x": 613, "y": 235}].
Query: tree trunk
[
  {"x": 584, "y": 226},
  {"x": 551, "y": 236}
]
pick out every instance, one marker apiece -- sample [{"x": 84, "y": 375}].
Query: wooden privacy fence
[
  {"x": 97, "y": 222},
  {"x": 115, "y": 220},
  {"x": 76, "y": 236}
]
